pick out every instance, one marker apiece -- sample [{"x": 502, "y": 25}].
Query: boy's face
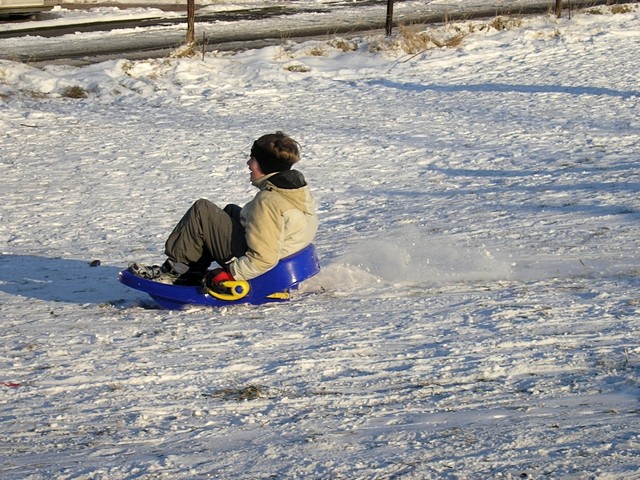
[{"x": 256, "y": 173}]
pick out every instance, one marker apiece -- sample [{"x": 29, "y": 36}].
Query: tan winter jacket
[{"x": 280, "y": 221}]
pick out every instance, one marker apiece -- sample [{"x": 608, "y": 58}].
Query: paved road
[{"x": 253, "y": 28}]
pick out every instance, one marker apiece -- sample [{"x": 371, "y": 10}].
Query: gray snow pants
[{"x": 207, "y": 233}]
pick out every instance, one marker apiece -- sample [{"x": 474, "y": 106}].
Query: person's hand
[{"x": 213, "y": 280}]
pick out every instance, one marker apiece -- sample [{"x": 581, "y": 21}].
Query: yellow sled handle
[{"x": 237, "y": 289}]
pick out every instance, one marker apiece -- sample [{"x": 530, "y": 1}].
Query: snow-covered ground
[{"x": 477, "y": 313}]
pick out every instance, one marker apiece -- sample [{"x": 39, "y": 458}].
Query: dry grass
[
  {"x": 622, "y": 8},
  {"x": 613, "y": 9},
  {"x": 455, "y": 41},
  {"x": 296, "y": 67},
  {"x": 594, "y": 11},
  {"x": 318, "y": 51},
  {"x": 185, "y": 51},
  {"x": 290, "y": 50},
  {"x": 343, "y": 45},
  {"x": 413, "y": 39},
  {"x": 74, "y": 92},
  {"x": 250, "y": 392},
  {"x": 504, "y": 23}
]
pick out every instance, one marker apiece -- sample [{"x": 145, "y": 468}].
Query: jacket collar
[{"x": 288, "y": 180}]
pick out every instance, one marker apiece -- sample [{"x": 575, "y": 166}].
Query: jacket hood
[
  {"x": 287, "y": 179},
  {"x": 292, "y": 185}
]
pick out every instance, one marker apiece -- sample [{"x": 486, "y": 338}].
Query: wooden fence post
[
  {"x": 558, "y": 8},
  {"x": 389, "y": 23},
  {"x": 191, "y": 20}
]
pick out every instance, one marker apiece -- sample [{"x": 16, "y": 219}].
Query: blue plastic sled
[{"x": 272, "y": 286}]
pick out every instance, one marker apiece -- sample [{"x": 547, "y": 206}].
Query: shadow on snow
[
  {"x": 508, "y": 88},
  {"x": 61, "y": 280}
]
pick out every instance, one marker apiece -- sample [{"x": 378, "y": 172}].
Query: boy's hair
[{"x": 275, "y": 152}]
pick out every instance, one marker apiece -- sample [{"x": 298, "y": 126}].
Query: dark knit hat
[{"x": 275, "y": 152}]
